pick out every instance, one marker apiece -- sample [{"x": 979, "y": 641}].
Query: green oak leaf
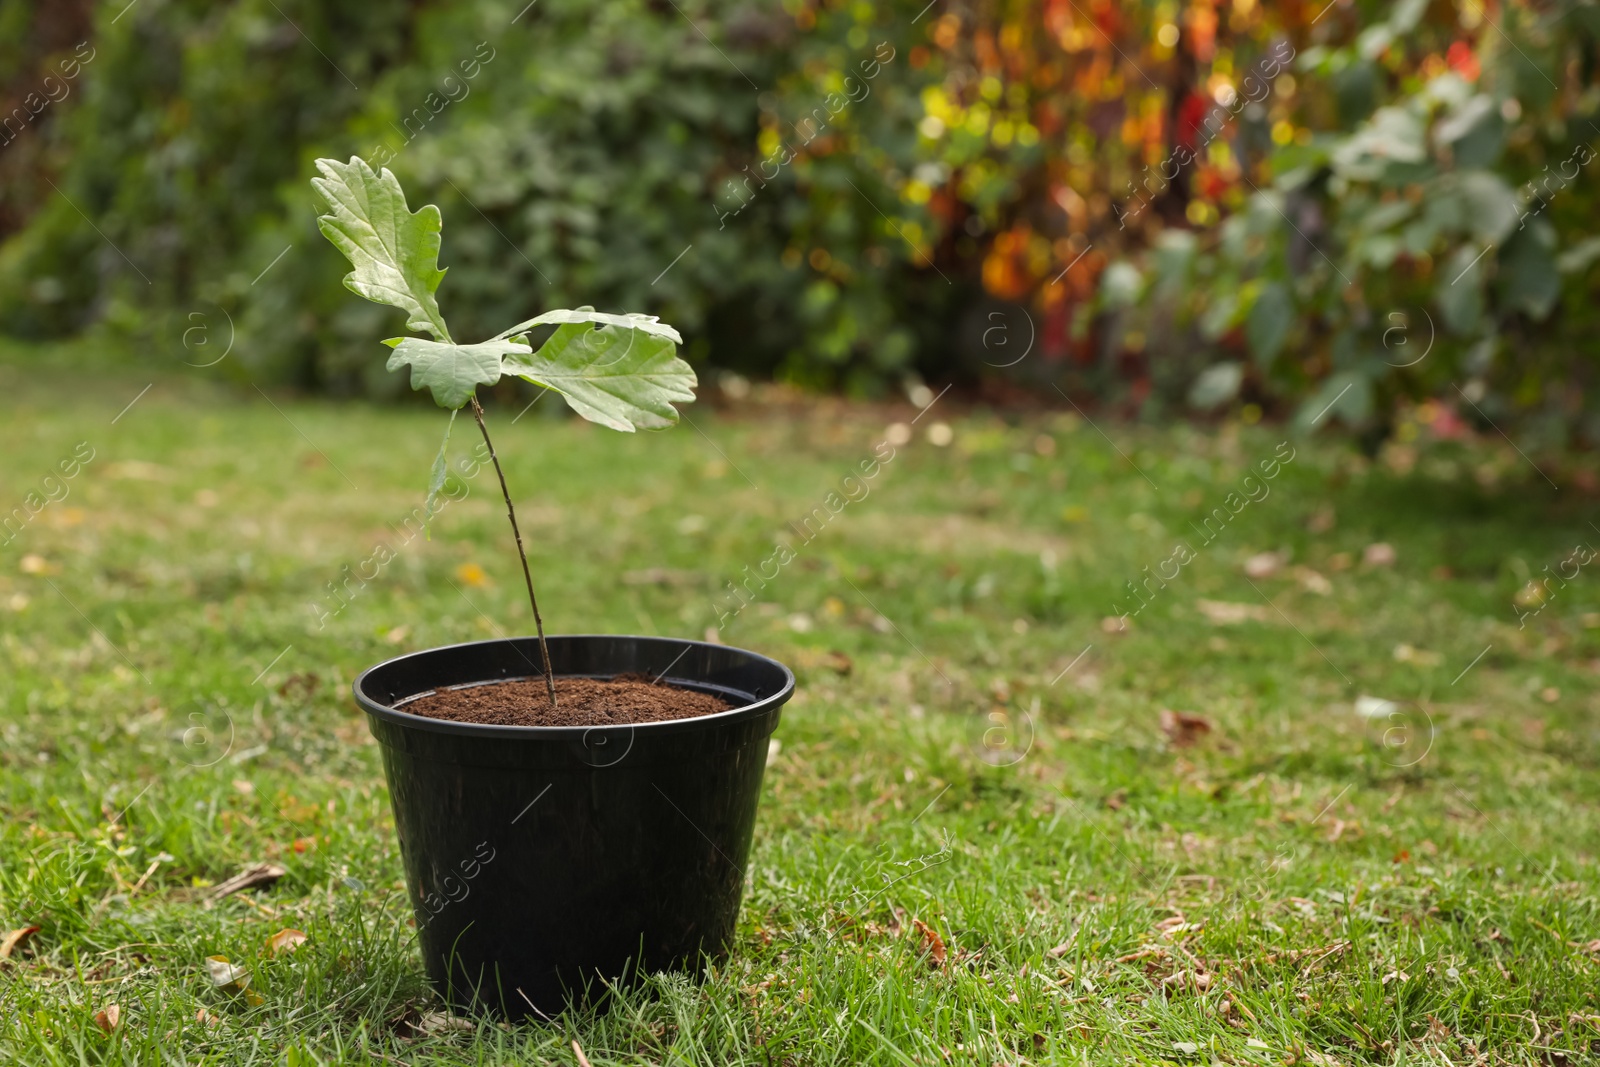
[
  {"x": 633, "y": 321},
  {"x": 395, "y": 251},
  {"x": 624, "y": 378},
  {"x": 451, "y": 371}
]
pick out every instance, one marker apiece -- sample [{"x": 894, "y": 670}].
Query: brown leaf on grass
[
  {"x": 931, "y": 941},
  {"x": 225, "y": 975},
  {"x": 1229, "y": 613},
  {"x": 1196, "y": 981},
  {"x": 1312, "y": 582},
  {"x": 108, "y": 1018},
  {"x": 1062, "y": 949},
  {"x": 1592, "y": 946},
  {"x": 249, "y": 878},
  {"x": 832, "y": 659},
  {"x": 286, "y": 940},
  {"x": 577, "y": 1050},
  {"x": 1183, "y": 728},
  {"x": 1321, "y": 952},
  {"x": 1378, "y": 554},
  {"x": 205, "y": 1018},
  {"x": 439, "y": 1022},
  {"x": 1265, "y": 564},
  {"x": 1116, "y": 624},
  {"x": 9, "y": 943}
]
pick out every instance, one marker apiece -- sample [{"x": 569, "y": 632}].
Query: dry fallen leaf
[
  {"x": 9, "y": 943},
  {"x": 1378, "y": 554},
  {"x": 931, "y": 941},
  {"x": 1228, "y": 613},
  {"x": 205, "y": 1018},
  {"x": 1265, "y": 564},
  {"x": 224, "y": 974},
  {"x": 1116, "y": 624},
  {"x": 1404, "y": 653},
  {"x": 438, "y": 1022},
  {"x": 249, "y": 878},
  {"x": 472, "y": 574},
  {"x": 1063, "y": 948},
  {"x": 286, "y": 940},
  {"x": 832, "y": 659},
  {"x": 1183, "y": 728},
  {"x": 1370, "y": 707},
  {"x": 1395, "y": 976},
  {"x": 1312, "y": 582},
  {"x": 108, "y": 1018}
]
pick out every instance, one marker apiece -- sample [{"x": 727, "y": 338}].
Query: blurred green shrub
[{"x": 1195, "y": 204}]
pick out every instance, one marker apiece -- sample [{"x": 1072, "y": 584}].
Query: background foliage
[{"x": 1272, "y": 207}]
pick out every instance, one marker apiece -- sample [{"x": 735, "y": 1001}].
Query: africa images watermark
[
  {"x": 416, "y": 521},
  {"x": 55, "y": 90},
  {"x": 1543, "y": 196},
  {"x": 831, "y": 107},
  {"x": 1537, "y": 594},
  {"x": 853, "y": 489},
  {"x": 55, "y": 490},
  {"x": 452, "y": 90},
  {"x": 1216, "y": 120},
  {"x": 1254, "y": 489}
]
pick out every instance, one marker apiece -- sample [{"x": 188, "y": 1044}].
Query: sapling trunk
[{"x": 527, "y": 576}]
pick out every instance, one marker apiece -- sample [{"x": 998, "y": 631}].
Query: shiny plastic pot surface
[{"x": 545, "y": 861}]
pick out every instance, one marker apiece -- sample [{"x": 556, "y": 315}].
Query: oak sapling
[{"x": 621, "y": 371}]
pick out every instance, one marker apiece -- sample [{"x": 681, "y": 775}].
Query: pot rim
[{"x": 488, "y": 731}]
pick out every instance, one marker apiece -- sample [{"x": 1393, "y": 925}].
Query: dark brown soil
[{"x": 580, "y": 702}]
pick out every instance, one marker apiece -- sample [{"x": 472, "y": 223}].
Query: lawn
[{"x": 997, "y": 826}]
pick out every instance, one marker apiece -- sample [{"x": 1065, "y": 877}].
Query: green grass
[{"x": 1415, "y": 890}]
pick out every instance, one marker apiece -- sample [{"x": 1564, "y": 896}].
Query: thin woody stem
[{"x": 527, "y": 576}]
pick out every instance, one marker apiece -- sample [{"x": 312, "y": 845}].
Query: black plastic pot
[{"x": 544, "y": 862}]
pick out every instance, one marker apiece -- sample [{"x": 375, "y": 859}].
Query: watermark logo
[
  {"x": 1009, "y": 736},
  {"x": 201, "y": 347},
  {"x": 1402, "y": 730},
  {"x": 204, "y": 734},
  {"x": 998, "y": 340},
  {"x": 605, "y": 746},
  {"x": 1398, "y": 336}
]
